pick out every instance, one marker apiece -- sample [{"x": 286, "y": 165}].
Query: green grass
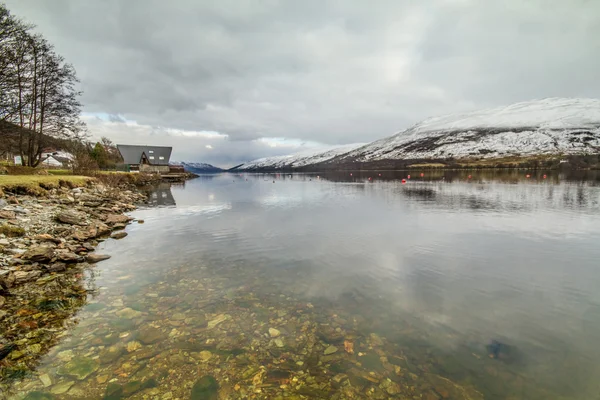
[
  {"x": 61, "y": 172},
  {"x": 11, "y": 231},
  {"x": 36, "y": 180}
]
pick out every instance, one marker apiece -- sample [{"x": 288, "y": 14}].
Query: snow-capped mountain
[
  {"x": 197, "y": 167},
  {"x": 301, "y": 159},
  {"x": 549, "y": 126}
]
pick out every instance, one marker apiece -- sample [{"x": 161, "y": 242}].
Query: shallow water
[{"x": 443, "y": 287}]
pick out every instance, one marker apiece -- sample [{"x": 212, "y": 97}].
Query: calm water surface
[{"x": 337, "y": 286}]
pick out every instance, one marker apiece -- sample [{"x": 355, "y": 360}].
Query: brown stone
[
  {"x": 44, "y": 237},
  {"x": 117, "y": 219},
  {"x": 26, "y": 276},
  {"x": 56, "y": 267},
  {"x": 69, "y": 257},
  {"x": 4, "y": 214},
  {"x": 39, "y": 254},
  {"x": 70, "y": 217},
  {"x": 95, "y": 230}
]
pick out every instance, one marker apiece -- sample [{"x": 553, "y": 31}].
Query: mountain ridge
[{"x": 546, "y": 128}]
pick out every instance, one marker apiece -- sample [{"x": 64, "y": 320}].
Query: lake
[{"x": 453, "y": 285}]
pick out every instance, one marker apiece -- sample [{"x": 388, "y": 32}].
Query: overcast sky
[{"x": 228, "y": 81}]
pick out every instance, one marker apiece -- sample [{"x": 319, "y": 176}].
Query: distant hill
[
  {"x": 297, "y": 160},
  {"x": 533, "y": 133},
  {"x": 197, "y": 168}
]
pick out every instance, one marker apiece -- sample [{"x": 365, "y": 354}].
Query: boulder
[
  {"x": 95, "y": 230},
  {"x": 118, "y": 235},
  {"x": 41, "y": 254},
  {"x": 94, "y": 258},
  {"x": 71, "y": 218},
  {"x": 112, "y": 219},
  {"x": 69, "y": 257}
]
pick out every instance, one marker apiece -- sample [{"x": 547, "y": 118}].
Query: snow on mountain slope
[
  {"x": 549, "y": 126},
  {"x": 196, "y": 166},
  {"x": 301, "y": 159}
]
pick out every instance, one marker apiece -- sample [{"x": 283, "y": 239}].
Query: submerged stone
[
  {"x": 37, "y": 395},
  {"x": 78, "y": 367},
  {"x": 150, "y": 335},
  {"x": 62, "y": 387},
  {"x": 114, "y": 391},
  {"x": 205, "y": 388},
  {"x": 330, "y": 350}
]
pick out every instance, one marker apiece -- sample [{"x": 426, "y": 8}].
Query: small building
[
  {"x": 52, "y": 158},
  {"x": 146, "y": 158}
]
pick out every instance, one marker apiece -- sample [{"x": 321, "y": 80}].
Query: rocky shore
[
  {"x": 46, "y": 244},
  {"x": 41, "y": 236}
]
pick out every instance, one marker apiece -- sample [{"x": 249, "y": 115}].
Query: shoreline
[{"x": 47, "y": 242}]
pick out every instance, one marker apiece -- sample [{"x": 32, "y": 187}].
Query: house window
[
  {"x": 151, "y": 157},
  {"x": 161, "y": 158},
  {"x": 151, "y": 151}
]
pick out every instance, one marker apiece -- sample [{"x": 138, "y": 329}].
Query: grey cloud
[{"x": 335, "y": 72}]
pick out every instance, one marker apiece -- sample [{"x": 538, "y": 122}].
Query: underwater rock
[
  {"x": 78, "y": 367},
  {"x": 205, "y": 388},
  {"x": 62, "y": 387},
  {"x": 150, "y": 335}
]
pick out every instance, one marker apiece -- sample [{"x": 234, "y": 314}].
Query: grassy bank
[{"x": 37, "y": 185}]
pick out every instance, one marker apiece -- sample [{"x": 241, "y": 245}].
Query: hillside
[
  {"x": 197, "y": 168},
  {"x": 298, "y": 160},
  {"x": 533, "y": 133},
  {"x": 535, "y": 128}
]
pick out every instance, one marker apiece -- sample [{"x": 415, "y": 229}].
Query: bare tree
[{"x": 37, "y": 89}]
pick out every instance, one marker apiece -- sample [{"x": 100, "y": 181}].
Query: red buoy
[
  {"x": 408, "y": 177},
  {"x": 369, "y": 178},
  {"x": 544, "y": 176},
  {"x": 403, "y": 181},
  {"x": 469, "y": 176},
  {"x": 350, "y": 174},
  {"x": 422, "y": 174},
  {"x": 528, "y": 176},
  {"x": 379, "y": 174}
]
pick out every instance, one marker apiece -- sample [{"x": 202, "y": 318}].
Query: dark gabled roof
[{"x": 133, "y": 154}]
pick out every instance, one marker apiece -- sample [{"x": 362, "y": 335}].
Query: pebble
[
  {"x": 46, "y": 381},
  {"x": 330, "y": 350},
  {"x": 274, "y": 332}
]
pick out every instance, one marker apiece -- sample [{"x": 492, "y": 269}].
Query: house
[
  {"x": 52, "y": 158},
  {"x": 146, "y": 158}
]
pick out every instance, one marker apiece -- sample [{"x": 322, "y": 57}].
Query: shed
[{"x": 146, "y": 158}]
